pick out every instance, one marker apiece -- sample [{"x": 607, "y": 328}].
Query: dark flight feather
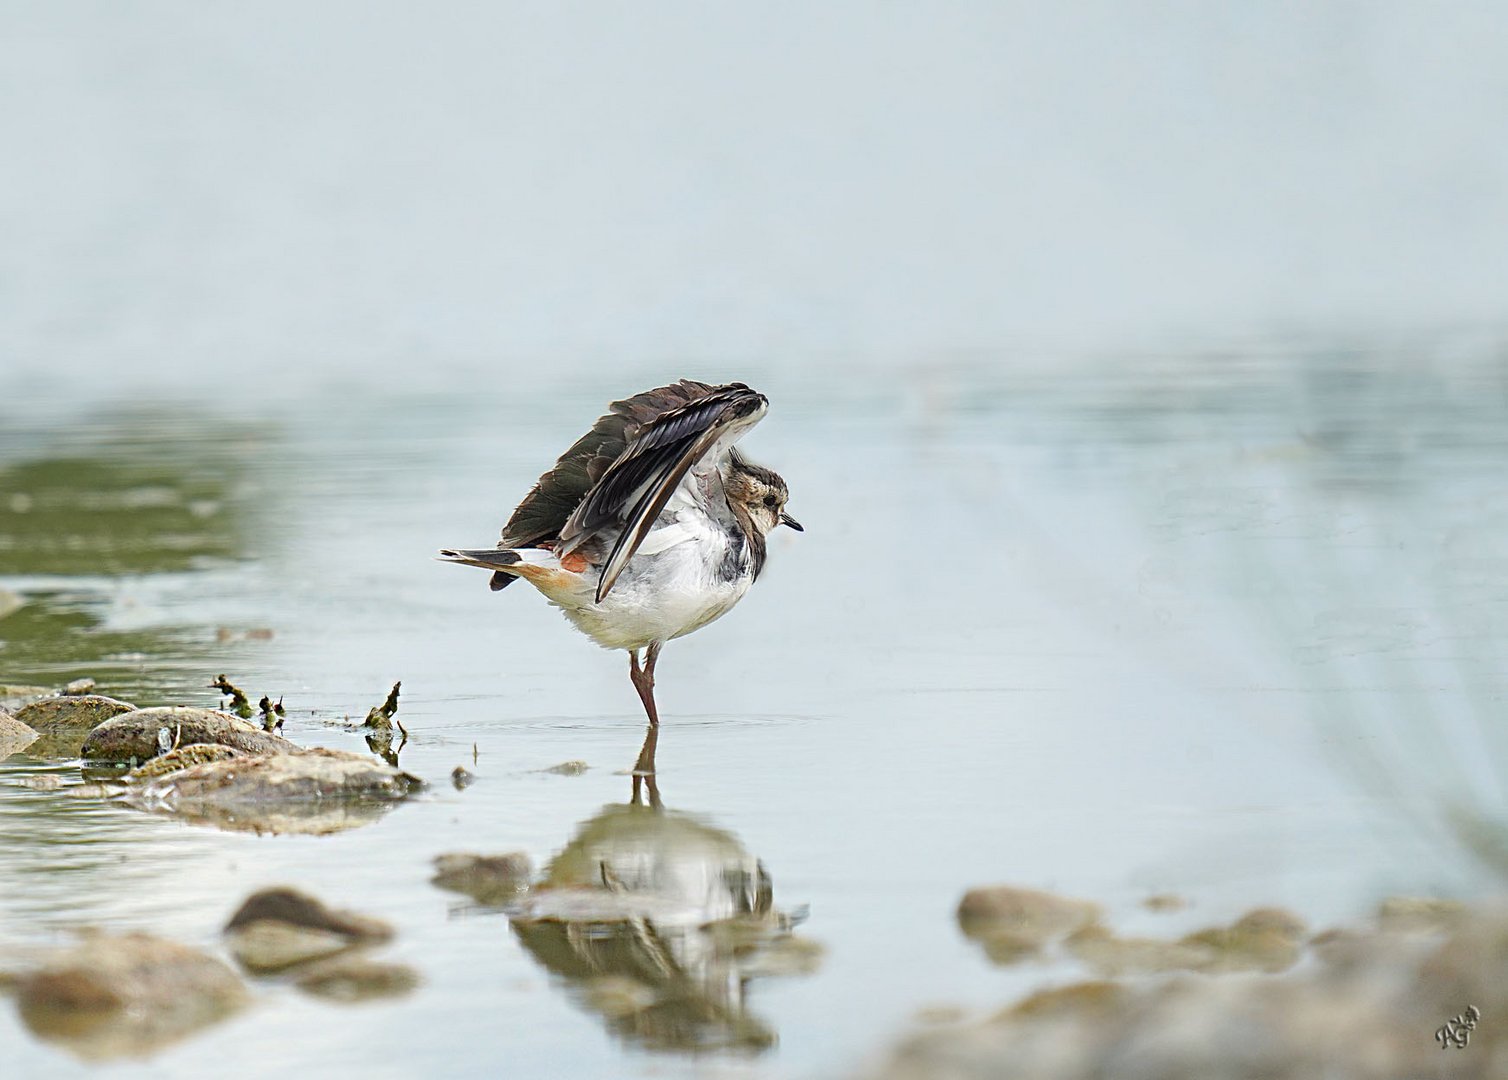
[{"x": 615, "y": 473}]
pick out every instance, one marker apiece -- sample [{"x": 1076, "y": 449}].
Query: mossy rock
[{"x": 137, "y": 736}]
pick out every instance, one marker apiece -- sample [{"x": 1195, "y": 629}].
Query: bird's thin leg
[{"x": 644, "y": 679}]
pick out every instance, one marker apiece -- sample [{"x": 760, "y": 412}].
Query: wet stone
[
  {"x": 310, "y": 792},
  {"x": 1108, "y": 954},
  {"x": 487, "y": 879},
  {"x": 78, "y": 713},
  {"x": 1165, "y": 902},
  {"x": 354, "y": 978},
  {"x": 14, "y": 735},
  {"x": 14, "y": 697},
  {"x": 1419, "y": 914},
  {"x": 117, "y": 995},
  {"x": 144, "y": 733},
  {"x": 294, "y": 908},
  {"x": 184, "y": 757},
  {"x": 1266, "y": 939},
  {"x": 567, "y": 768},
  {"x": 80, "y": 686},
  {"x": 268, "y": 946},
  {"x": 1012, "y": 923},
  {"x": 280, "y": 928}
]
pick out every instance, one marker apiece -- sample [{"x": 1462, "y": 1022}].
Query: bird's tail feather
[{"x": 499, "y": 560}]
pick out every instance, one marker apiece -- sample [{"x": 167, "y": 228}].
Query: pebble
[{"x": 126, "y": 995}]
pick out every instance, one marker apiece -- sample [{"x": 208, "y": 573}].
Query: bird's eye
[{"x": 770, "y": 501}]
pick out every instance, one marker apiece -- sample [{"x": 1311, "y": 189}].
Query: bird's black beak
[{"x": 786, "y": 519}]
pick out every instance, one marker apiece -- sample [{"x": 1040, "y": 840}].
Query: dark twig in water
[
  {"x": 238, "y": 701},
  {"x": 380, "y": 718},
  {"x": 272, "y": 715}
]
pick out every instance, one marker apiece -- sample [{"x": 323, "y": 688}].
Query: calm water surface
[{"x": 1231, "y": 626}]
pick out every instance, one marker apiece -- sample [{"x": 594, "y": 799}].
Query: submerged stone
[
  {"x": 1385, "y": 1011},
  {"x": 268, "y": 946},
  {"x": 1109, "y": 954},
  {"x": 353, "y": 978},
  {"x": 488, "y": 879},
  {"x": 1012, "y": 923},
  {"x": 279, "y": 928},
  {"x": 1419, "y": 913},
  {"x": 130, "y": 994},
  {"x": 13, "y": 696},
  {"x": 568, "y": 768},
  {"x": 144, "y": 733},
  {"x": 1266, "y": 939}
]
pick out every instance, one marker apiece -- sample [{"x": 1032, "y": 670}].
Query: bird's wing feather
[
  {"x": 548, "y": 506},
  {"x": 633, "y": 490}
]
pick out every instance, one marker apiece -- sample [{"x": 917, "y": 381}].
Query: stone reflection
[{"x": 660, "y": 922}]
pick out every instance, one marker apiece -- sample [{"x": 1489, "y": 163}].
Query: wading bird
[{"x": 650, "y": 526}]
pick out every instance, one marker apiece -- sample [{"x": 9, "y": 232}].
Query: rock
[
  {"x": 65, "y": 722},
  {"x": 1108, "y": 954},
  {"x": 79, "y": 713},
  {"x": 115, "y": 995},
  {"x": 79, "y": 686},
  {"x": 138, "y": 735},
  {"x": 281, "y": 928},
  {"x": 1267, "y": 939},
  {"x": 184, "y": 757},
  {"x": 1090, "y": 1000},
  {"x": 294, "y": 908},
  {"x": 13, "y": 697},
  {"x": 461, "y": 778},
  {"x": 488, "y": 879},
  {"x": 567, "y": 768},
  {"x": 354, "y": 978},
  {"x": 14, "y": 735},
  {"x": 312, "y": 792},
  {"x": 1413, "y": 913},
  {"x": 1012, "y": 923},
  {"x": 1165, "y": 902},
  {"x": 268, "y": 946}
]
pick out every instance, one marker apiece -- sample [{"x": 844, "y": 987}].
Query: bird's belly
[{"x": 657, "y": 598}]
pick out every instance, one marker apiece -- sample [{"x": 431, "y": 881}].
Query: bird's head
[{"x": 760, "y": 491}]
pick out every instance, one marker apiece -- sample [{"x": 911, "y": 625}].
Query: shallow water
[{"x": 1227, "y": 625}]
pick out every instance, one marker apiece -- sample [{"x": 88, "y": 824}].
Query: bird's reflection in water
[{"x": 660, "y": 921}]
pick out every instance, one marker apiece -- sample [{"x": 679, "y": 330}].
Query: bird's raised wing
[{"x": 660, "y": 450}]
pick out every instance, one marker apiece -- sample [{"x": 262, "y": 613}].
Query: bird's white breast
[{"x": 677, "y": 582}]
